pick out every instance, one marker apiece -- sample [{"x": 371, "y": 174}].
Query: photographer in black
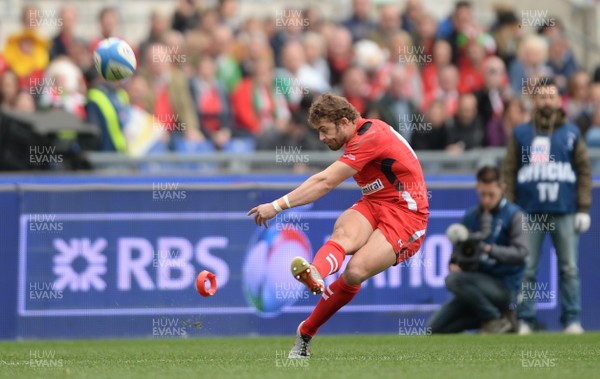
[{"x": 487, "y": 263}]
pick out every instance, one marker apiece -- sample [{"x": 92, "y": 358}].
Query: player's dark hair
[
  {"x": 330, "y": 107},
  {"x": 489, "y": 174}
]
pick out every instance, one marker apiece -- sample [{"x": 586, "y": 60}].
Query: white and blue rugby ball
[{"x": 114, "y": 59}]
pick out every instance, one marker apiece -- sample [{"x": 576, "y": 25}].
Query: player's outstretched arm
[
  {"x": 312, "y": 189},
  {"x": 320, "y": 184}
]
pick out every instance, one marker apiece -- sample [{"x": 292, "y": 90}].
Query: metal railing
[{"x": 433, "y": 162}]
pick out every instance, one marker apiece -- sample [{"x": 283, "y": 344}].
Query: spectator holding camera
[{"x": 487, "y": 263}]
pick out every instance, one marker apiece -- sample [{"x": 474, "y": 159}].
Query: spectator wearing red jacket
[
  {"x": 471, "y": 74},
  {"x": 442, "y": 56},
  {"x": 256, "y": 105},
  {"x": 447, "y": 92},
  {"x": 212, "y": 103},
  {"x": 355, "y": 89},
  {"x": 339, "y": 53}
]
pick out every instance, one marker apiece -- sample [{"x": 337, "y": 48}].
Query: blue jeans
[
  {"x": 566, "y": 244},
  {"x": 478, "y": 297}
]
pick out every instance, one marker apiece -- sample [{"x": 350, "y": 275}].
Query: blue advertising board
[{"x": 122, "y": 262}]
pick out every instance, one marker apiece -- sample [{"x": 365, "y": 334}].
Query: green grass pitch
[{"x": 548, "y": 355}]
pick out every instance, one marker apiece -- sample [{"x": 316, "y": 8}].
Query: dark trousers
[{"x": 478, "y": 297}]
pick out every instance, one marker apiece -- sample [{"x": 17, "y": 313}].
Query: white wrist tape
[
  {"x": 287, "y": 201},
  {"x": 276, "y": 206}
]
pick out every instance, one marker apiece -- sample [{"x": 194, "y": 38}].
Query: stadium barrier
[
  {"x": 87, "y": 260},
  {"x": 278, "y": 160}
]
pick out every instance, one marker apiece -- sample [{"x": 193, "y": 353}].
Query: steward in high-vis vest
[
  {"x": 548, "y": 174},
  {"x": 107, "y": 108}
]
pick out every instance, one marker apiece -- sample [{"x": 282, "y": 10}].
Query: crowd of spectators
[{"x": 209, "y": 80}]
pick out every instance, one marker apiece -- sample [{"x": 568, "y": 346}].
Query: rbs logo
[{"x": 170, "y": 265}]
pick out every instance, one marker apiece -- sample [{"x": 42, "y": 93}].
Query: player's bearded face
[{"x": 331, "y": 134}]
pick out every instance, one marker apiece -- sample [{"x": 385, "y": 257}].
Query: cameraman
[{"x": 487, "y": 263}]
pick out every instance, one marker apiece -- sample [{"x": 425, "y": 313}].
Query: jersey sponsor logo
[
  {"x": 372, "y": 187},
  {"x": 349, "y": 156}
]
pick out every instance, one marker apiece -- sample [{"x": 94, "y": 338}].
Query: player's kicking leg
[
  {"x": 374, "y": 257},
  {"x": 350, "y": 232}
]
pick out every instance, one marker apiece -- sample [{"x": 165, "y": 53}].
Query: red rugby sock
[
  {"x": 329, "y": 258},
  {"x": 334, "y": 297}
]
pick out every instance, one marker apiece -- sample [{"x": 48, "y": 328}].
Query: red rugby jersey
[{"x": 388, "y": 168}]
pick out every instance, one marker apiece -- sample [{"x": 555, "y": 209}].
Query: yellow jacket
[{"x": 24, "y": 63}]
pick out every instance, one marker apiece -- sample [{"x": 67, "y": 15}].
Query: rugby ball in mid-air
[{"x": 114, "y": 59}]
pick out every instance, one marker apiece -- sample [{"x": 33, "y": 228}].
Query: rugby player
[{"x": 385, "y": 227}]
